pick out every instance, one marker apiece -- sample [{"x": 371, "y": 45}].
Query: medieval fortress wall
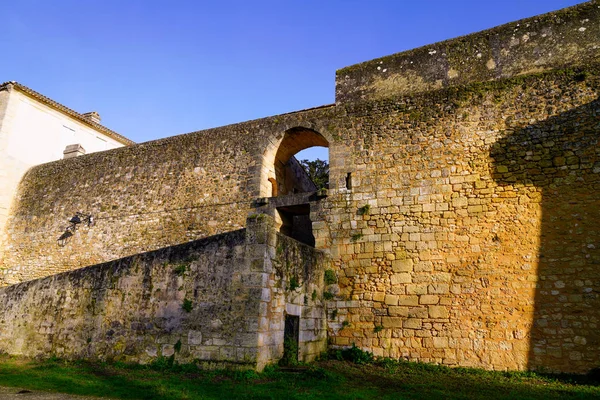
[
  {"x": 469, "y": 235},
  {"x": 461, "y": 220},
  {"x": 144, "y": 197},
  {"x": 218, "y": 301}
]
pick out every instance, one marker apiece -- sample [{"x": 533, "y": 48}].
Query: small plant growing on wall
[
  {"x": 356, "y": 237},
  {"x": 294, "y": 283},
  {"x": 333, "y": 314},
  {"x": 364, "y": 210},
  {"x": 187, "y": 305},
  {"x": 330, "y": 277},
  {"x": 180, "y": 269},
  {"x": 328, "y": 295}
]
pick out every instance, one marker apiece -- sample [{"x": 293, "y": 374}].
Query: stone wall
[
  {"x": 143, "y": 197},
  {"x": 292, "y": 178},
  {"x": 531, "y": 45},
  {"x": 293, "y": 286},
  {"x": 146, "y": 196},
  {"x": 194, "y": 301},
  {"x": 219, "y": 301},
  {"x": 469, "y": 234},
  {"x": 460, "y": 224}
]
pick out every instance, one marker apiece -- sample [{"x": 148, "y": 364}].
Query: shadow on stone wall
[{"x": 561, "y": 156}]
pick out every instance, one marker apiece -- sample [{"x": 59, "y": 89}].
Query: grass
[{"x": 337, "y": 378}]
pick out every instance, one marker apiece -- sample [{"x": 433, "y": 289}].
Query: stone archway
[
  {"x": 281, "y": 173},
  {"x": 285, "y": 181}
]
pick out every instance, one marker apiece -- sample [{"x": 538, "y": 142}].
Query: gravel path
[{"x": 9, "y": 393}]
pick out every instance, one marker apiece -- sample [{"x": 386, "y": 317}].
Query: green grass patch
[{"x": 354, "y": 374}]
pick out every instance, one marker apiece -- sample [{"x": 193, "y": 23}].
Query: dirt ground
[{"x": 9, "y": 393}]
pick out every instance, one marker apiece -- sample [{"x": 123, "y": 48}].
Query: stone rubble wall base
[{"x": 217, "y": 302}]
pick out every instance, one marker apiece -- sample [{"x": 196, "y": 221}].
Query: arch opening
[
  {"x": 283, "y": 176},
  {"x": 289, "y": 174}
]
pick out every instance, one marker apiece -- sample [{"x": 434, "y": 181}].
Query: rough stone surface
[
  {"x": 133, "y": 309},
  {"x": 202, "y": 302},
  {"x": 461, "y": 224},
  {"x": 481, "y": 228},
  {"x": 522, "y": 47},
  {"x": 292, "y": 285}
]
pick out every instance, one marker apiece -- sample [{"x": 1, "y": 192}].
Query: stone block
[
  {"x": 418, "y": 312},
  {"x": 391, "y": 299},
  {"x": 459, "y": 202},
  {"x": 438, "y": 288},
  {"x": 440, "y": 342},
  {"x": 410, "y": 300},
  {"x": 379, "y": 296},
  {"x": 475, "y": 209},
  {"x": 423, "y": 266},
  {"x": 194, "y": 337},
  {"x": 400, "y": 278},
  {"x": 402, "y": 265},
  {"x": 413, "y": 323},
  {"x": 430, "y": 207},
  {"x": 438, "y": 312},
  {"x": 416, "y": 288},
  {"x": 391, "y": 322},
  {"x": 397, "y": 311},
  {"x": 167, "y": 350},
  {"x": 429, "y": 299}
]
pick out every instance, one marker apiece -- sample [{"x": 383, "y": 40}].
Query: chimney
[
  {"x": 92, "y": 116},
  {"x": 73, "y": 150}
]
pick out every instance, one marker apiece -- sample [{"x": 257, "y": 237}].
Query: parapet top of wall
[{"x": 570, "y": 36}]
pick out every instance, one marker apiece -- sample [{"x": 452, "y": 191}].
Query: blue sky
[{"x": 154, "y": 69}]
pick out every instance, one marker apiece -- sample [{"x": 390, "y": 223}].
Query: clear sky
[{"x": 159, "y": 68}]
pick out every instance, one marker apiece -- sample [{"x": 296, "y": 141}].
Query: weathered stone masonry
[
  {"x": 461, "y": 226},
  {"x": 461, "y": 220},
  {"x": 216, "y": 301}
]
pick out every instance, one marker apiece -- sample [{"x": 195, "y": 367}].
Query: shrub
[
  {"x": 356, "y": 237},
  {"x": 352, "y": 354}
]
